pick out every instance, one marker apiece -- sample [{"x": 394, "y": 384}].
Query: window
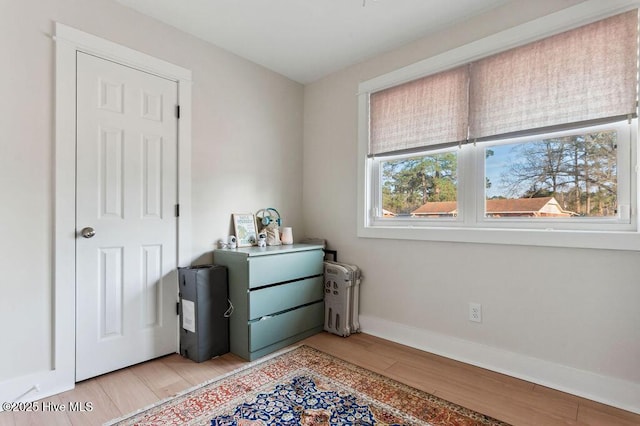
[
  {"x": 538, "y": 137},
  {"x": 564, "y": 177},
  {"x": 411, "y": 186}
]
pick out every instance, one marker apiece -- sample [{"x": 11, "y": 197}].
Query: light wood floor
[{"x": 512, "y": 400}]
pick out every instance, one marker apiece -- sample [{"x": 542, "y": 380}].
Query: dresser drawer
[
  {"x": 270, "y": 300},
  {"x": 278, "y": 327},
  {"x": 271, "y": 269}
]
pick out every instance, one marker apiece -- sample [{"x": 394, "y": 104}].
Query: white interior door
[{"x": 126, "y": 283}]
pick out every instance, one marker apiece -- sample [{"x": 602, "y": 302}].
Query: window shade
[
  {"x": 580, "y": 77},
  {"x": 583, "y": 75},
  {"x": 430, "y": 111}
]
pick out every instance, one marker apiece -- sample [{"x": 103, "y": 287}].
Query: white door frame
[{"x": 68, "y": 42}]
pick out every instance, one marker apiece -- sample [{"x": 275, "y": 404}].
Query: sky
[{"x": 502, "y": 157}]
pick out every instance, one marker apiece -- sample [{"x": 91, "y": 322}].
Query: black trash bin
[{"x": 204, "y": 312}]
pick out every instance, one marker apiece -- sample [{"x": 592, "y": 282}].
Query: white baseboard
[
  {"x": 605, "y": 389},
  {"x": 35, "y": 386}
]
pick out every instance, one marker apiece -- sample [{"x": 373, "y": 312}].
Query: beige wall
[
  {"x": 573, "y": 308},
  {"x": 247, "y": 148},
  {"x": 570, "y": 307}
]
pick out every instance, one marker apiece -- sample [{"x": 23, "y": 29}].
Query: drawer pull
[{"x": 229, "y": 311}]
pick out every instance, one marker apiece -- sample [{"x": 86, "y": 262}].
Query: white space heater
[{"x": 341, "y": 298}]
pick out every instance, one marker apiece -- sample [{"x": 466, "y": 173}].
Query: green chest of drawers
[{"x": 277, "y": 294}]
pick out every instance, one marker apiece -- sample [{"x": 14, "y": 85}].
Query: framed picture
[{"x": 245, "y": 227}]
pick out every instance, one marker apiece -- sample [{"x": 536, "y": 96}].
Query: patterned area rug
[{"x": 305, "y": 387}]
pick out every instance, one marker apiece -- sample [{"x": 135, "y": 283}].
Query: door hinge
[
  {"x": 178, "y": 111},
  {"x": 177, "y": 210},
  {"x": 177, "y": 308}
]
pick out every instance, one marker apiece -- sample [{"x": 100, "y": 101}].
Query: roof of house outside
[
  {"x": 518, "y": 206},
  {"x": 437, "y": 207},
  {"x": 387, "y": 213}
]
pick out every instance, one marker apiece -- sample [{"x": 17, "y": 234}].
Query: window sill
[{"x": 622, "y": 240}]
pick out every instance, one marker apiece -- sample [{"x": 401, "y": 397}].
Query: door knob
[{"x": 88, "y": 232}]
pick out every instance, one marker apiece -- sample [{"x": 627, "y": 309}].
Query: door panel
[
  {"x": 110, "y": 296},
  {"x": 126, "y": 282}
]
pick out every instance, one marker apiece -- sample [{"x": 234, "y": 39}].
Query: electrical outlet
[{"x": 475, "y": 312}]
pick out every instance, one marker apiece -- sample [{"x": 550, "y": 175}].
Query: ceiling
[{"x": 308, "y": 39}]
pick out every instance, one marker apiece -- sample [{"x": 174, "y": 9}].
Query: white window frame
[
  {"x": 625, "y": 219},
  {"x": 471, "y": 226},
  {"x": 376, "y": 193}
]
